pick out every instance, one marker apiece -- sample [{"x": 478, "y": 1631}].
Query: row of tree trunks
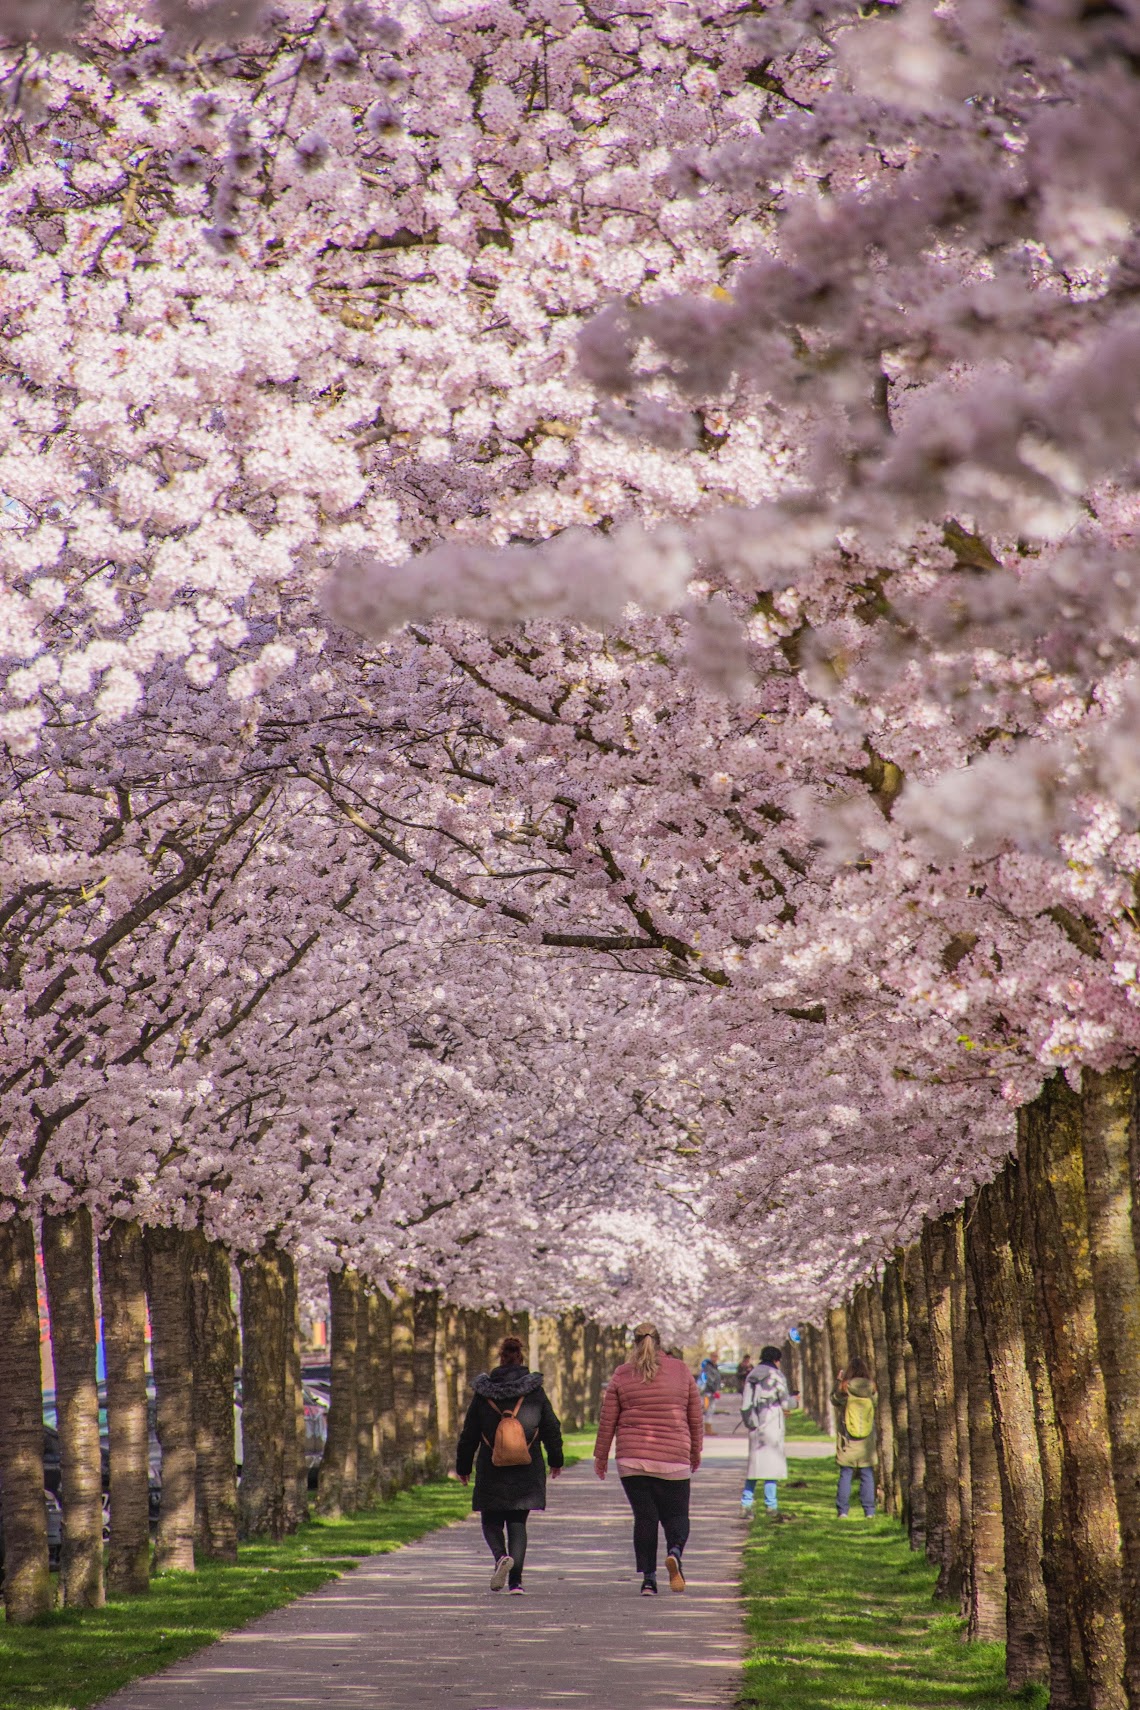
[
  {"x": 576, "y": 1359},
  {"x": 402, "y": 1364},
  {"x": 816, "y": 1375},
  {"x": 1008, "y": 1362}
]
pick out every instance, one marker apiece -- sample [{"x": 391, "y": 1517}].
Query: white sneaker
[{"x": 502, "y": 1568}]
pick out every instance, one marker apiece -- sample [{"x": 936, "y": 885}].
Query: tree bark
[
  {"x": 872, "y": 1324},
  {"x": 894, "y": 1334},
  {"x": 448, "y": 1382},
  {"x": 367, "y": 1463},
  {"x": 999, "y": 1297},
  {"x": 168, "y": 1295},
  {"x": 122, "y": 1287},
  {"x": 68, "y": 1252},
  {"x": 336, "y": 1489},
  {"x": 1068, "y": 1688},
  {"x": 594, "y": 1364},
  {"x": 1059, "y": 1227},
  {"x": 214, "y": 1342},
  {"x": 28, "y": 1590},
  {"x": 296, "y": 1466},
  {"x": 841, "y": 1349},
  {"x": 959, "y": 1325},
  {"x": 425, "y": 1328},
  {"x": 403, "y": 1339},
  {"x": 918, "y": 1331},
  {"x": 828, "y": 1369},
  {"x": 813, "y": 1384},
  {"x": 1111, "y": 1157},
  {"x": 550, "y": 1363},
  {"x": 985, "y": 1560},
  {"x": 268, "y": 1427},
  {"x": 938, "y": 1265},
  {"x": 385, "y": 1397}
]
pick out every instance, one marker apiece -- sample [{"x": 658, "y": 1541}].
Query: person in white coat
[{"x": 766, "y": 1400}]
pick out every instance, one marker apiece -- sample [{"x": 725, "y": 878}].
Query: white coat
[{"x": 766, "y": 1394}]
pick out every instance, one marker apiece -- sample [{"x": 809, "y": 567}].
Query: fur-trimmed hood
[{"x": 506, "y": 1383}]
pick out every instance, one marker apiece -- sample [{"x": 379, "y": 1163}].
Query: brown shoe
[{"x": 676, "y": 1577}]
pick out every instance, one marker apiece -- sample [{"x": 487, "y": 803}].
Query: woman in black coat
[{"x": 505, "y": 1495}]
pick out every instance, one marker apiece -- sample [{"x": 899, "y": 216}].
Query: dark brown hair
[
  {"x": 858, "y": 1368},
  {"x": 511, "y": 1352}
]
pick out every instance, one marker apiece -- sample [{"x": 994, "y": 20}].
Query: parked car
[{"x": 316, "y": 1404}]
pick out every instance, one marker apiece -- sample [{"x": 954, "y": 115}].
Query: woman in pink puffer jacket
[{"x": 653, "y": 1408}]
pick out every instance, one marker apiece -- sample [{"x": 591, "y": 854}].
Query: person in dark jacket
[{"x": 506, "y": 1495}]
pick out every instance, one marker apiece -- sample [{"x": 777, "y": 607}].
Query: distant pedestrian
[
  {"x": 709, "y": 1382},
  {"x": 767, "y": 1399},
  {"x": 743, "y": 1370},
  {"x": 856, "y": 1448},
  {"x": 652, "y": 1407},
  {"x": 508, "y": 1424}
]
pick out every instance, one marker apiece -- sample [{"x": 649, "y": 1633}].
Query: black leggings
[
  {"x": 657, "y": 1502},
  {"x": 514, "y": 1519}
]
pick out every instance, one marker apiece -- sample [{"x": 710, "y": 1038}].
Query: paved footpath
[{"x": 419, "y": 1628}]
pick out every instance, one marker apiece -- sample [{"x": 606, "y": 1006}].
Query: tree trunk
[
  {"x": 999, "y": 1297},
  {"x": 403, "y": 1339},
  {"x": 918, "y": 1330},
  {"x": 894, "y": 1334},
  {"x": 28, "y": 1590},
  {"x": 448, "y": 1383},
  {"x": 385, "y": 1397},
  {"x": 959, "y": 1325},
  {"x": 916, "y": 1528},
  {"x": 594, "y": 1364},
  {"x": 122, "y": 1287},
  {"x": 873, "y": 1326},
  {"x": 1059, "y": 1226},
  {"x": 367, "y": 1467},
  {"x": 938, "y": 1264},
  {"x": 841, "y": 1349},
  {"x": 813, "y": 1380},
  {"x": 1111, "y": 1163},
  {"x": 336, "y": 1490},
  {"x": 214, "y": 1341},
  {"x": 268, "y": 1427},
  {"x": 828, "y": 1369},
  {"x": 550, "y": 1363},
  {"x": 1068, "y": 1688},
  {"x": 168, "y": 1294},
  {"x": 985, "y": 1560},
  {"x": 296, "y": 1465},
  {"x": 425, "y": 1322},
  {"x": 68, "y": 1252}
]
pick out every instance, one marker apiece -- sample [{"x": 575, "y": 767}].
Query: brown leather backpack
[{"x": 510, "y": 1448}]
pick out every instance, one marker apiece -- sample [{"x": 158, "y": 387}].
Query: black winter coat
[{"x": 508, "y": 1487}]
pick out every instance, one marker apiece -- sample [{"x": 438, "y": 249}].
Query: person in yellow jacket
[{"x": 856, "y": 1448}]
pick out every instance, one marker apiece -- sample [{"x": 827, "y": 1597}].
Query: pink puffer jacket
[{"x": 658, "y": 1421}]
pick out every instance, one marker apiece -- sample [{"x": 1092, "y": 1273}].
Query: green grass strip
[
  {"x": 840, "y": 1615},
  {"x": 74, "y": 1657}
]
